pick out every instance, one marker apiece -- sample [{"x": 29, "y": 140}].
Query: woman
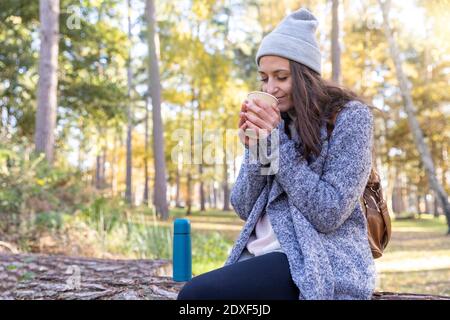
[{"x": 305, "y": 235}]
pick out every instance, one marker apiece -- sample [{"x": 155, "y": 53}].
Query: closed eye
[{"x": 265, "y": 79}]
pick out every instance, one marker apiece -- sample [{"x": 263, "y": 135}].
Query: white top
[{"x": 263, "y": 239}]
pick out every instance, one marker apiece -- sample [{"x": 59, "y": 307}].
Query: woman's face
[{"x": 275, "y": 75}]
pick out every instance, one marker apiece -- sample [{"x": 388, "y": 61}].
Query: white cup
[{"x": 263, "y": 96}]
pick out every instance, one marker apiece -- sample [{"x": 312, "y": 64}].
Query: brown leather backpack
[{"x": 375, "y": 209}]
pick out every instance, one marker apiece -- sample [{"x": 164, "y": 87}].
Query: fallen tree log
[{"x": 34, "y": 276}]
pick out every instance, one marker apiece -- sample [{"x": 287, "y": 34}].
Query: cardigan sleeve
[
  {"x": 327, "y": 200},
  {"x": 248, "y": 186}
]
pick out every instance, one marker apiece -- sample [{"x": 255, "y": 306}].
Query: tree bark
[
  {"x": 191, "y": 149},
  {"x": 406, "y": 296},
  {"x": 201, "y": 188},
  {"x": 160, "y": 186},
  {"x": 226, "y": 189},
  {"x": 114, "y": 165},
  {"x": 178, "y": 185},
  {"x": 129, "y": 161},
  {"x": 189, "y": 194},
  {"x": 32, "y": 276},
  {"x": 435, "y": 206},
  {"x": 146, "y": 155},
  {"x": 410, "y": 111},
  {"x": 48, "y": 78},
  {"x": 98, "y": 171}
]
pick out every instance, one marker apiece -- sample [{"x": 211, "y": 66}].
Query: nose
[{"x": 272, "y": 87}]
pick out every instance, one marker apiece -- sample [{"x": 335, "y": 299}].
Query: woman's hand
[
  {"x": 261, "y": 117},
  {"x": 243, "y": 126}
]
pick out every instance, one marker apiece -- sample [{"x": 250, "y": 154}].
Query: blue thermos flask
[{"x": 182, "y": 254}]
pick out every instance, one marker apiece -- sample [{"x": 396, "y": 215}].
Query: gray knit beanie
[{"x": 294, "y": 39}]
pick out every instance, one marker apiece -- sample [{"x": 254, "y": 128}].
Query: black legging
[{"x": 265, "y": 277}]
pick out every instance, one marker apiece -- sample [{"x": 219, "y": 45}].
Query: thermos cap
[{"x": 182, "y": 226}]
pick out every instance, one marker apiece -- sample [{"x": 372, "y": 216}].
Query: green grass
[{"x": 417, "y": 259}]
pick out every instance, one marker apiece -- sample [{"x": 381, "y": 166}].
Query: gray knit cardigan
[{"x": 313, "y": 206}]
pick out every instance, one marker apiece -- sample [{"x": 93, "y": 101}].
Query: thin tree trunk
[
  {"x": 226, "y": 190},
  {"x": 191, "y": 149},
  {"x": 419, "y": 207},
  {"x": 104, "y": 153},
  {"x": 201, "y": 188},
  {"x": 445, "y": 161},
  {"x": 335, "y": 48},
  {"x": 178, "y": 181},
  {"x": 388, "y": 166},
  {"x": 200, "y": 149},
  {"x": 397, "y": 201},
  {"x": 178, "y": 186},
  {"x": 435, "y": 206},
  {"x": 189, "y": 195},
  {"x": 114, "y": 166},
  {"x": 48, "y": 78},
  {"x": 100, "y": 160},
  {"x": 129, "y": 161},
  {"x": 210, "y": 197},
  {"x": 215, "y": 196},
  {"x": 98, "y": 171},
  {"x": 413, "y": 123},
  {"x": 146, "y": 155},
  {"x": 160, "y": 186}
]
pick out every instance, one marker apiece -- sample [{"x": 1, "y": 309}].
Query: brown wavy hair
[{"x": 315, "y": 99}]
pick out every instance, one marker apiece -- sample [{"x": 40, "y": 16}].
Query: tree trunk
[
  {"x": 406, "y": 296},
  {"x": 114, "y": 166},
  {"x": 98, "y": 170},
  {"x": 418, "y": 204},
  {"x": 215, "y": 196},
  {"x": 445, "y": 161},
  {"x": 201, "y": 188},
  {"x": 335, "y": 48},
  {"x": 396, "y": 193},
  {"x": 191, "y": 149},
  {"x": 189, "y": 194},
  {"x": 32, "y": 276},
  {"x": 178, "y": 185},
  {"x": 389, "y": 167},
  {"x": 413, "y": 123},
  {"x": 100, "y": 180},
  {"x": 146, "y": 155},
  {"x": 104, "y": 163},
  {"x": 435, "y": 206},
  {"x": 226, "y": 190},
  {"x": 129, "y": 161},
  {"x": 48, "y": 78},
  {"x": 160, "y": 186},
  {"x": 208, "y": 197}
]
